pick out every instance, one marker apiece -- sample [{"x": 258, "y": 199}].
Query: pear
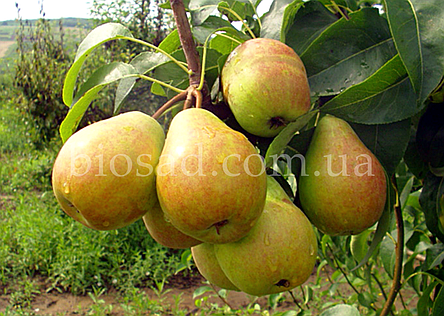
[
  {"x": 103, "y": 175},
  {"x": 209, "y": 267},
  {"x": 278, "y": 254},
  {"x": 164, "y": 232},
  {"x": 265, "y": 84},
  {"x": 344, "y": 189},
  {"x": 211, "y": 182}
]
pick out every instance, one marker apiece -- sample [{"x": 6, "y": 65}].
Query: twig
[
  {"x": 396, "y": 285},
  {"x": 342, "y": 271},
  {"x": 381, "y": 288},
  {"x": 418, "y": 257},
  {"x": 295, "y": 300},
  {"x": 221, "y": 298},
  {"x": 177, "y": 98}
]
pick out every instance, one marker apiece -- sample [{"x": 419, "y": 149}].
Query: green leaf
[
  {"x": 341, "y": 310},
  {"x": 429, "y": 199},
  {"x": 243, "y": 9},
  {"x": 388, "y": 142},
  {"x": 347, "y": 51},
  {"x": 279, "y": 143},
  {"x": 388, "y": 254},
  {"x": 170, "y": 43},
  {"x": 100, "y": 78},
  {"x": 430, "y": 15},
  {"x": 430, "y": 19},
  {"x": 202, "y": 290},
  {"x": 272, "y": 21},
  {"x": 98, "y": 36},
  {"x": 366, "y": 299},
  {"x": 438, "y": 305},
  {"x": 213, "y": 24},
  {"x": 223, "y": 45},
  {"x": 434, "y": 257},
  {"x": 351, "y": 4},
  {"x": 143, "y": 63},
  {"x": 404, "y": 27},
  {"x": 405, "y": 194},
  {"x": 302, "y": 28},
  {"x": 385, "y": 97},
  {"x": 425, "y": 302},
  {"x": 359, "y": 245},
  {"x": 201, "y": 10}
]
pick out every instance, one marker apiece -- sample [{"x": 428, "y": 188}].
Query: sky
[{"x": 54, "y": 9}]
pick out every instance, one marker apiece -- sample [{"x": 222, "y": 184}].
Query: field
[
  {"x": 52, "y": 265},
  {"x": 73, "y": 28}
]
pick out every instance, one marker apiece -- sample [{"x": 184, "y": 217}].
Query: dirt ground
[
  {"x": 4, "y": 45},
  {"x": 54, "y": 303}
]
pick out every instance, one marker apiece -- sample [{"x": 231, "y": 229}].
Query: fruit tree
[{"x": 307, "y": 135}]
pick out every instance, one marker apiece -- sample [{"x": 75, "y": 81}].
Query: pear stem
[
  {"x": 177, "y": 98},
  {"x": 396, "y": 285}
]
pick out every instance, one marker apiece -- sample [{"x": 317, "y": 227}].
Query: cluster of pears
[{"x": 203, "y": 185}]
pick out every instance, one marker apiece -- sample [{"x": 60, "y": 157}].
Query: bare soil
[
  {"x": 4, "y": 45},
  {"x": 54, "y": 303}
]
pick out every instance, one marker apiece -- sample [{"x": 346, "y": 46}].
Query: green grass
[{"x": 38, "y": 239}]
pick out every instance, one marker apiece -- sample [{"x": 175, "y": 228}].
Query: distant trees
[{"x": 44, "y": 54}]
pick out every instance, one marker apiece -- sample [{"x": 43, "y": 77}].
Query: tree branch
[
  {"x": 189, "y": 47},
  {"x": 396, "y": 285},
  {"x": 187, "y": 41}
]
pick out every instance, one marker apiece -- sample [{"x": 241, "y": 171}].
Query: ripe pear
[
  {"x": 164, "y": 232},
  {"x": 265, "y": 84},
  {"x": 209, "y": 267},
  {"x": 344, "y": 189},
  {"x": 211, "y": 182},
  {"x": 278, "y": 254},
  {"x": 104, "y": 176}
]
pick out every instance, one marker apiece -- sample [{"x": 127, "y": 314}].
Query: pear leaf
[
  {"x": 88, "y": 92},
  {"x": 98, "y": 36}
]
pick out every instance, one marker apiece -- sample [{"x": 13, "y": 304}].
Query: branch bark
[
  {"x": 396, "y": 285},
  {"x": 189, "y": 47},
  {"x": 187, "y": 41}
]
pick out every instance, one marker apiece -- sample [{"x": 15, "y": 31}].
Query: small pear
[
  {"x": 211, "y": 182},
  {"x": 344, "y": 189},
  {"x": 209, "y": 268},
  {"x": 103, "y": 175},
  {"x": 164, "y": 232},
  {"x": 265, "y": 84},
  {"x": 277, "y": 255}
]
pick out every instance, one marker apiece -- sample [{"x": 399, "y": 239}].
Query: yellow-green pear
[
  {"x": 104, "y": 176},
  {"x": 209, "y": 267},
  {"x": 211, "y": 182},
  {"x": 278, "y": 254},
  {"x": 265, "y": 84},
  {"x": 164, "y": 232},
  {"x": 343, "y": 191}
]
